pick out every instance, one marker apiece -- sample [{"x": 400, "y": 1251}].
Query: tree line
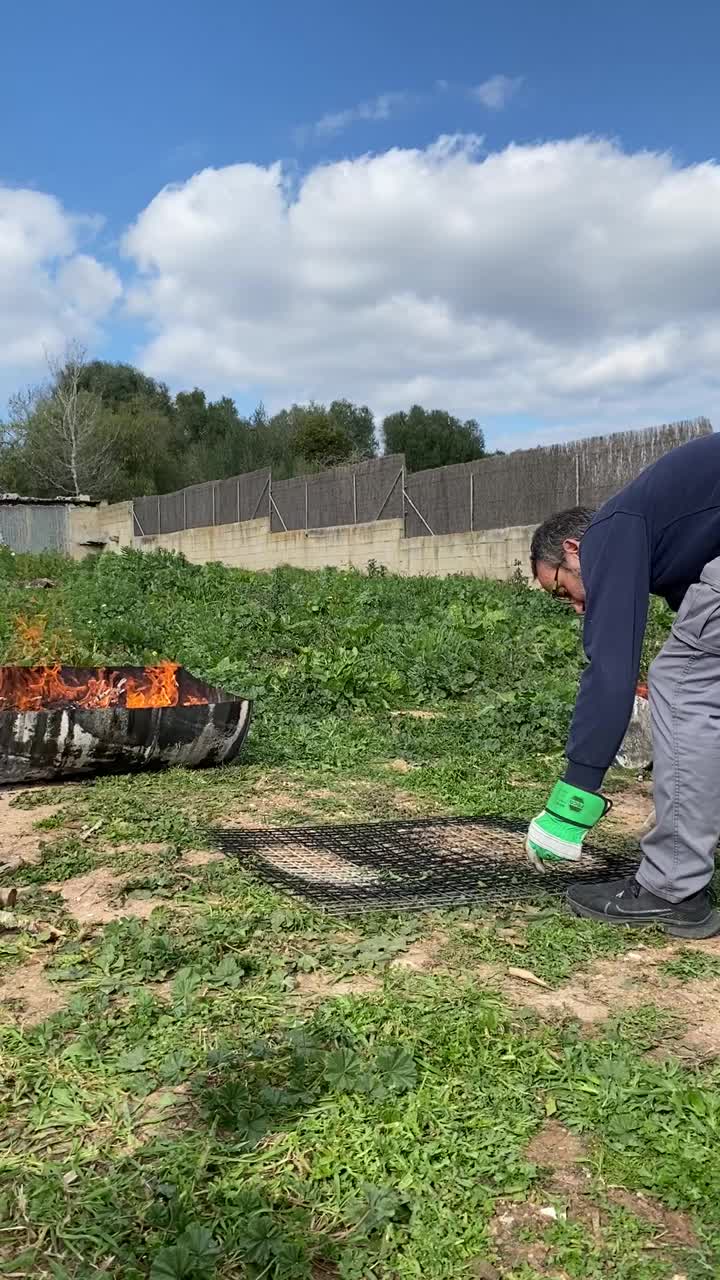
[{"x": 110, "y": 431}]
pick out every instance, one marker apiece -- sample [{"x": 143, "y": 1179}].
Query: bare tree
[{"x": 68, "y": 444}]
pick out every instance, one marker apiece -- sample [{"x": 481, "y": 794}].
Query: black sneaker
[{"x": 627, "y": 902}]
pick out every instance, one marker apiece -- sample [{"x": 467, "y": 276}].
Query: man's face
[{"x": 564, "y": 582}]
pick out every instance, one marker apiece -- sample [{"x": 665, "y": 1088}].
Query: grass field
[{"x": 202, "y": 1078}]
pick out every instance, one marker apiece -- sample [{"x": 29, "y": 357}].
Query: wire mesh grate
[{"x": 371, "y": 866}]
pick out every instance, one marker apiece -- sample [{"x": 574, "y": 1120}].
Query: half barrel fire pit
[{"x": 60, "y": 721}]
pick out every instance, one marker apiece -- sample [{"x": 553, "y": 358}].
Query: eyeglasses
[{"x": 557, "y": 591}]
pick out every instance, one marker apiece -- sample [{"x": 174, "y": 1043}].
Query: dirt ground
[
  {"x": 92, "y": 899},
  {"x": 28, "y": 996},
  {"x": 603, "y": 991},
  {"x": 567, "y": 1193},
  {"x": 19, "y": 841},
  {"x": 609, "y": 988},
  {"x": 631, "y": 810}
]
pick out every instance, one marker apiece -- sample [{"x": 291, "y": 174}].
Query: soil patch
[
  {"x": 202, "y": 857},
  {"x": 88, "y": 898},
  {"x": 28, "y": 995},
  {"x": 673, "y": 1228},
  {"x": 323, "y": 986},
  {"x": 157, "y": 1115},
  {"x": 554, "y": 1147},
  {"x": 511, "y": 1231},
  {"x": 401, "y": 766},
  {"x": 631, "y": 809},
  {"x": 406, "y": 804},
  {"x": 422, "y": 956},
  {"x": 519, "y": 1231},
  {"x": 19, "y": 842},
  {"x": 564, "y": 1156},
  {"x": 149, "y": 847},
  {"x": 267, "y": 802},
  {"x": 610, "y": 987},
  {"x": 484, "y": 841}
]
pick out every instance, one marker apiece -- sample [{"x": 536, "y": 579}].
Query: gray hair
[{"x": 548, "y": 539}]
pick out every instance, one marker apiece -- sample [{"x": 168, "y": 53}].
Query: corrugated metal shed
[{"x": 36, "y": 524}]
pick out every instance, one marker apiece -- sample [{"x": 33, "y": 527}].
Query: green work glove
[{"x": 557, "y": 834}]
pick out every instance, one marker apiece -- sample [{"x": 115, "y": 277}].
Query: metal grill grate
[{"x": 446, "y": 862}]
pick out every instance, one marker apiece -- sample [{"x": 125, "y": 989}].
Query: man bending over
[{"x": 660, "y": 536}]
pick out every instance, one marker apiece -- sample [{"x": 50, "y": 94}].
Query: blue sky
[{"x": 105, "y": 106}]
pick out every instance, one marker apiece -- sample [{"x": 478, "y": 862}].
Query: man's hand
[{"x": 557, "y": 834}]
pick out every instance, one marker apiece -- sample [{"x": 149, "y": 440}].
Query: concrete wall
[
  {"x": 107, "y": 525},
  {"x": 250, "y": 545}
]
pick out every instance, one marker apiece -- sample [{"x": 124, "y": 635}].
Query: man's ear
[{"x": 571, "y": 546}]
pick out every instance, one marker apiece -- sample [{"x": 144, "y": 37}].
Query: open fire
[{"x": 53, "y": 687}]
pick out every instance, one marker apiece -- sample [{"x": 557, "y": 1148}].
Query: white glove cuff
[{"x": 553, "y": 844}]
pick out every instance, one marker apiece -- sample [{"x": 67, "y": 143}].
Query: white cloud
[
  {"x": 565, "y": 281},
  {"x": 382, "y": 107},
  {"x": 49, "y": 291},
  {"x": 496, "y": 92}
]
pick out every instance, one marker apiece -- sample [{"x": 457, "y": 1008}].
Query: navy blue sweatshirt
[{"x": 655, "y": 537}]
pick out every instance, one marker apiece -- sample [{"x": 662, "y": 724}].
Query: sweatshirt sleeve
[{"x": 615, "y": 565}]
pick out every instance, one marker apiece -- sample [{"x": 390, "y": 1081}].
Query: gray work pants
[{"x": 685, "y": 707}]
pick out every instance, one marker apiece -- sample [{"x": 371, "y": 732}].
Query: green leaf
[
  {"x": 172, "y": 1263},
  {"x": 397, "y": 1068},
  {"x": 343, "y": 1068},
  {"x": 200, "y": 1244},
  {"x": 193, "y": 1257},
  {"x": 375, "y": 1207},
  {"x": 257, "y": 1239},
  {"x": 227, "y": 974},
  {"x": 185, "y": 986},
  {"x": 175, "y": 1067},
  {"x": 134, "y": 1060}
]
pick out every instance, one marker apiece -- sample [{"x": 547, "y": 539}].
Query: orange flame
[
  {"x": 156, "y": 687},
  {"x": 38, "y": 688}
]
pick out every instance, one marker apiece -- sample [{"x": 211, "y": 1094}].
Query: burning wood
[{"x": 54, "y": 687}]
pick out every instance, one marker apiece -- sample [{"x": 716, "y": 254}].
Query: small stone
[
  {"x": 401, "y": 766},
  {"x": 482, "y": 1270}
]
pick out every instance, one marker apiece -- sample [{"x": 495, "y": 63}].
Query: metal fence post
[
  {"x": 404, "y": 497},
  {"x": 184, "y": 508},
  {"x": 159, "y": 528},
  {"x": 238, "y": 499},
  {"x": 213, "y": 504},
  {"x": 472, "y": 501},
  {"x": 306, "y": 506},
  {"x": 577, "y": 478},
  {"x": 355, "y": 519}
]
